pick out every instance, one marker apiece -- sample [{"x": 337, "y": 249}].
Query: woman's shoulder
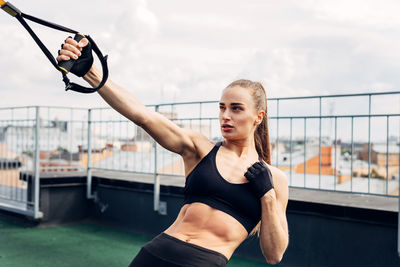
[
  {"x": 201, "y": 146},
  {"x": 278, "y": 176},
  {"x": 275, "y": 170}
]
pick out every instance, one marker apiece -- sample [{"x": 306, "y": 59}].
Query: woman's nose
[{"x": 225, "y": 115}]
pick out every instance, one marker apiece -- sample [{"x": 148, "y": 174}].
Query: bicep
[{"x": 169, "y": 135}]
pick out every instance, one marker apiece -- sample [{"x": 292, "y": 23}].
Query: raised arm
[{"x": 164, "y": 131}]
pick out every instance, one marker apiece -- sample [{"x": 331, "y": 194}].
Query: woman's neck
[{"x": 242, "y": 148}]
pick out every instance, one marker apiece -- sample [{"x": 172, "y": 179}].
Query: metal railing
[
  {"x": 347, "y": 143},
  {"x": 385, "y": 122},
  {"x": 34, "y": 140},
  {"x": 19, "y": 160}
]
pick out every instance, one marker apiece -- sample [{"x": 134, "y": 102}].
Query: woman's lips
[{"x": 226, "y": 127}]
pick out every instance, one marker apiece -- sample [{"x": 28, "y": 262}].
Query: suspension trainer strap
[{"x": 65, "y": 65}]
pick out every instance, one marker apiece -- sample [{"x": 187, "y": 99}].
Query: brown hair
[{"x": 261, "y": 135}]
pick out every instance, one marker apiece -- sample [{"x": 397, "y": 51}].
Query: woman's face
[{"x": 237, "y": 114}]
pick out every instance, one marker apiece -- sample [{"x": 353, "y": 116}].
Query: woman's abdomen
[{"x": 205, "y": 226}]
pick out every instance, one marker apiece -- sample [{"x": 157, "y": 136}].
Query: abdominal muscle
[{"x": 207, "y": 227}]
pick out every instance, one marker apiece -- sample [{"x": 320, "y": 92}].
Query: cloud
[
  {"x": 144, "y": 16},
  {"x": 370, "y": 13},
  {"x": 208, "y": 21},
  {"x": 134, "y": 22}
]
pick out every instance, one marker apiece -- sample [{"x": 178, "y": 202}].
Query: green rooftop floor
[{"x": 73, "y": 245}]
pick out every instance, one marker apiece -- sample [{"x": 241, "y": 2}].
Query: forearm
[
  {"x": 273, "y": 235},
  {"x": 118, "y": 98}
]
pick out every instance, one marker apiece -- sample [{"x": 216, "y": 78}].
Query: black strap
[
  {"x": 13, "y": 11},
  {"x": 37, "y": 40}
]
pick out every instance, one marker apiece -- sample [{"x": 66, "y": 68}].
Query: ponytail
[{"x": 261, "y": 138}]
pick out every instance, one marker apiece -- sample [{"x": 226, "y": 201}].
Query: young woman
[{"x": 231, "y": 189}]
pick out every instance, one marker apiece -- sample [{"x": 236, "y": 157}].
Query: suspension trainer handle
[{"x": 65, "y": 66}]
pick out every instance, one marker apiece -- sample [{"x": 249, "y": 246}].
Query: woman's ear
[{"x": 260, "y": 116}]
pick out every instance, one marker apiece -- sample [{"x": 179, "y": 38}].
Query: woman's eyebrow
[
  {"x": 232, "y": 104},
  {"x": 237, "y": 104}
]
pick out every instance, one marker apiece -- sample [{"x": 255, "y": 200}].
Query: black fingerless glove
[
  {"x": 260, "y": 178},
  {"x": 83, "y": 64}
]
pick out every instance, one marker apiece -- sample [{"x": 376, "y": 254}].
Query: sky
[{"x": 175, "y": 51}]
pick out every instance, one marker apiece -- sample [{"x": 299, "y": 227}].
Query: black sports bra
[{"x": 206, "y": 185}]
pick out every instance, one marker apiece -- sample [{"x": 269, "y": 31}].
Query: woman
[{"x": 231, "y": 191}]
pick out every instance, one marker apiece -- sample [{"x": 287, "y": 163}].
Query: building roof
[{"x": 382, "y": 148}]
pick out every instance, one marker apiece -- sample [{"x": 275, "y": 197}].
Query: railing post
[
  {"x": 319, "y": 143},
  {"x": 398, "y": 220},
  {"x": 156, "y": 196},
  {"x": 36, "y": 178},
  {"x": 305, "y": 151},
  {"x": 277, "y": 133},
  {"x": 369, "y": 143},
  {"x": 387, "y": 154},
  {"x": 335, "y": 168},
  {"x": 352, "y": 152},
  {"x": 291, "y": 150},
  {"x": 89, "y": 194}
]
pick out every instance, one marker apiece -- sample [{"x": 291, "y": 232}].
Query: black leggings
[{"x": 167, "y": 251}]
